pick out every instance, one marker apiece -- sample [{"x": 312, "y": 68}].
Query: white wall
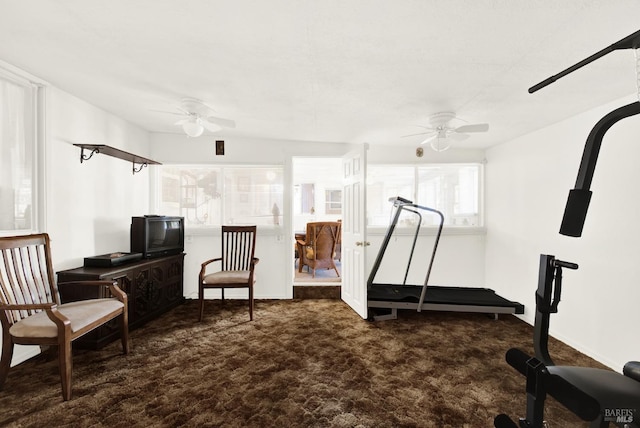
[
  {"x": 89, "y": 205},
  {"x": 528, "y": 181}
]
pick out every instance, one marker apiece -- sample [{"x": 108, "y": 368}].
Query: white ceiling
[{"x": 328, "y": 70}]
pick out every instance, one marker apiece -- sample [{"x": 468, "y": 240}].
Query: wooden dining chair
[
  {"x": 237, "y": 265},
  {"x": 31, "y": 312}
]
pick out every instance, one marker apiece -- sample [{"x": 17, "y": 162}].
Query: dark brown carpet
[{"x": 300, "y": 363}]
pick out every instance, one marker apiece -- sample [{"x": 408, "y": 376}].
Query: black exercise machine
[
  {"x": 391, "y": 297},
  {"x": 595, "y": 395}
]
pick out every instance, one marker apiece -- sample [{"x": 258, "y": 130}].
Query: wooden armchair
[
  {"x": 31, "y": 312},
  {"x": 237, "y": 265},
  {"x": 318, "y": 249}
]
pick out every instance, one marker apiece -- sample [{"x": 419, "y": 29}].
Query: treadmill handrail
[
  {"x": 413, "y": 246},
  {"x": 404, "y": 204}
]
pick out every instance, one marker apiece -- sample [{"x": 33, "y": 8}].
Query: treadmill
[{"x": 385, "y": 299}]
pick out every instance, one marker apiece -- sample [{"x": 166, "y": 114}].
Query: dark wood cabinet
[{"x": 153, "y": 286}]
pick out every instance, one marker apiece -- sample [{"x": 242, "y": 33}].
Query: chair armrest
[
  {"x": 27, "y": 306},
  {"x": 203, "y": 266},
  {"x": 61, "y": 322},
  {"x": 115, "y": 290},
  {"x": 118, "y": 293},
  {"x": 255, "y": 261},
  {"x": 301, "y": 242}
]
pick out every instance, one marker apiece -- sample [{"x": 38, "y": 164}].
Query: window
[
  {"x": 212, "y": 196},
  {"x": 304, "y": 198},
  {"x": 333, "y": 201},
  {"x": 453, "y": 189},
  {"x": 18, "y": 192}
]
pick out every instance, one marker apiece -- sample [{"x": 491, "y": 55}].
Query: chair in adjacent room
[
  {"x": 31, "y": 312},
  {"x": 237, "y": 265},
  {"x": 318, "y": 249}
]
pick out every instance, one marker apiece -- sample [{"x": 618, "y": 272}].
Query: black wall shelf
[{"x": 116, "y": 153}]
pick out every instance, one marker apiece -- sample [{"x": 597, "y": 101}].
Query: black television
[{"x": 157, "y": 235}]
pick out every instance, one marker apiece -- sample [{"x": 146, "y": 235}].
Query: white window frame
[
  {"x": 330, "y": 208},
  {"x": 35, "y": 137}
]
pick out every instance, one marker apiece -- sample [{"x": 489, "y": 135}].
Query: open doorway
[{"x": 317, "y": 198}]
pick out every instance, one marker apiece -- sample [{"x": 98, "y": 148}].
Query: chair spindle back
[
  {"x": 238, "y": 247},
  {"x": 26, "y": 274}
]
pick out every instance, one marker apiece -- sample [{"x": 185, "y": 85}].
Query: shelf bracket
[
  {"x": 139, "y": 168},
  {"x": 93, "y": 152}
]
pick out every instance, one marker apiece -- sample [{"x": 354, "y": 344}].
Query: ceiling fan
[
  {"x": 198, "y": 116},
  {"x": 441, "y": 132}
]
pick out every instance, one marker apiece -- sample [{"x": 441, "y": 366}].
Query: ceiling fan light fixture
[
  {"x": 193, "y": 127},
  {"x": 440, "y": 144}
]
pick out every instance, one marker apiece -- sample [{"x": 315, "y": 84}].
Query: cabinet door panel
[{"x": 141, "y": 299}]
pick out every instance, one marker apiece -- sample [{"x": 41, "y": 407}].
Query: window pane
[
  {"x": 333, "y": 201},
  {"x": 16, "y": 156},
  {"x": 384, "y": 182},
  {"x": 253, "y": 195},
  {"x": 212, "y": 196},
  {"x": 452, "y": 189},
  {"x": 192, "y": 193}
]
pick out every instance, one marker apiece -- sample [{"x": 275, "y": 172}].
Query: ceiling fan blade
[
  {"x": 419, "y": 133},
  {"x": 224, "y": 123},
  {"x": 184, "y": 110},
  {"x": 429, "y": 130},
  {"x": 429, "y": 138},
  {"x": 168, "y": 112},
  {"x": 478, "y": 127},
  {"x": 457, "y": 137},
  {"x": 181, "y": 122},
  {"x": 208, "y": 108},
  {"x": 210, "y": 126},
  {"x": 194, "y": 105}
]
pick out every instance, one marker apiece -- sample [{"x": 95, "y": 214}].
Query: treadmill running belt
[{"x": 440, "y": 295}]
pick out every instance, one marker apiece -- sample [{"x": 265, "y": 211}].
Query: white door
[{"x": 354, "y": 243}]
